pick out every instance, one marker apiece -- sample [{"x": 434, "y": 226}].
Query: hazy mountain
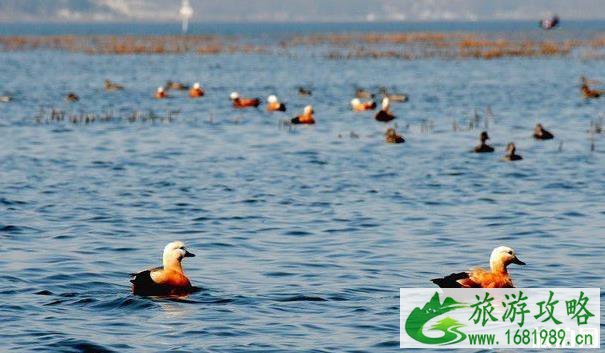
[{"x": 296, "y": 10}]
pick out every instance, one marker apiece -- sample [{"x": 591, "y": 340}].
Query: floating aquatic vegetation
[{"x": 53, "y": 115}]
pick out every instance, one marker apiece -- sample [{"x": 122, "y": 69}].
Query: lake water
[{"x": 303, "y": 235}]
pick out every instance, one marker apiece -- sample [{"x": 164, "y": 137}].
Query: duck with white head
[
  {"x": 169, "y": 279},
  {"x": 496, "y": 277},
  {"x": 274, "y": 105},
  {"x": 306, "y": 118},
  {"x": 358, "y": 106},
  {"x": 160, "y": 93},
  {"x": 196, "y": 91}
]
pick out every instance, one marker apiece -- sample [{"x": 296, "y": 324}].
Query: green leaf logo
[{"x": 414, "y": 325}]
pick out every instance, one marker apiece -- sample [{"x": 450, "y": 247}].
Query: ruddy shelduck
[
  {"x": 160, "y": 93},
  {"x": 196, "y": 91},
  {"x": 385, "y": 114},
  {"x": 239, "y": 102},
  {"x": 168, "y": 279},
  {"x": 306, "y": 117},
  {"x": 274, "y": 105},
  {"x": 496, "y": 277},
  {"x": 358, "y": 106},
  {"x": 112, "y": 86}
]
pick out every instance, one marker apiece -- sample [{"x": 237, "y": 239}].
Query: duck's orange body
[
  {"x": 305, "y": 118},
  {"x": 160, "y": 95},
  {"x": 361, "y": 107},
  {"x": 276, "y": 107},
  {"x": 196, "y": 92},
  {"x": 246, "y": 102}
]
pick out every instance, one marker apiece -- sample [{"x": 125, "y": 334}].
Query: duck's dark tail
[{"x": 450, "y": 281}]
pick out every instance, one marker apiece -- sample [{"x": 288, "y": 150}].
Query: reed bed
[
  {"x": 128, "y": 45},
  {"x": 405, "y": 46}
]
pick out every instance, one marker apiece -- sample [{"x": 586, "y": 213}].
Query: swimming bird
[
  {"x": 363, "y": 94},
  {"x": 358, "y": 106},
  {"x": 496, "y": 277},
  {"x": 177, "y": 86},
  {"x": 304, "y": 91},
  {"x": 385, "y": 114},
  {"x": 395, "y": 97},
  {"x": 392, "y": 137},
  {"x": 549, "y": 23},
  {"x": 542, "y": 134},
  {"x": 112, "y": 86},
  {"x": 483, "y": 147},
  {"x": 5, "y": 99},
  {"x": 274, "y": 105},
  {"x": 588, "y": 92},
  {"x": 239, "y": 102},
  {"x": 511, "y": 153},
  {"x": 306, "y": 117},
  {"x": 196, "y": 91},
  {"x": 160, "y": 93},
  {"x": 168, "y": 279},
  {"x": 72, "y": 97}
]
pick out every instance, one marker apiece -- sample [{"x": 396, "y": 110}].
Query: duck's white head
[
  {"x": 234, "y": 95},
  {"x": 174, "y": 253},
  {"x": 196, "y": 85},
  {"x": 503, "y": 256},
  {"x": 386, "y": 102},
  {"x": 355, "y": 101},
  {"x": 308, "y": 110},
  {"x": 272, "y": 99},
  {"x": 160, "y": 89}
]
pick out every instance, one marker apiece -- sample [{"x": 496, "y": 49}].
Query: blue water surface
[{"x": 303, "y": 235}]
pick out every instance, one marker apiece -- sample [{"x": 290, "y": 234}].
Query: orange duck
[
  {"x": 358, "y": 106},
  {"x": 306, "y": 117},
  {"x": 274, "y": 105},
  {"x": 196, "y": 91},
  {"x": 385, "y": 114},
  {"x": 239, "y": 102},
  {"x": 168, "y": 279},
  {"x": 496, "y": 277},
  {"x": 160, "y": 93}
]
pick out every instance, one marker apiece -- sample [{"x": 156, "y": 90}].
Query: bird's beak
[
  {"x": 188, "y": 254},
  {"x": 517, "y": 261}
]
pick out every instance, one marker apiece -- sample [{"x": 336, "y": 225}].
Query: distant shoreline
[{"x": 264, "y": 28}]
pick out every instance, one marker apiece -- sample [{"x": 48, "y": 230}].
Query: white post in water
[{"x": 186, "y": 13}]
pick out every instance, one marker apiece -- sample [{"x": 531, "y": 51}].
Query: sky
[{"x": 297, "y": 10}]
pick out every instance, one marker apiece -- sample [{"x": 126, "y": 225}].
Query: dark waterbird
[
  {"x": 511, "y": 153},
  {"x": 540, "y": 133},
  {"x": 483, "y": 146}
]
